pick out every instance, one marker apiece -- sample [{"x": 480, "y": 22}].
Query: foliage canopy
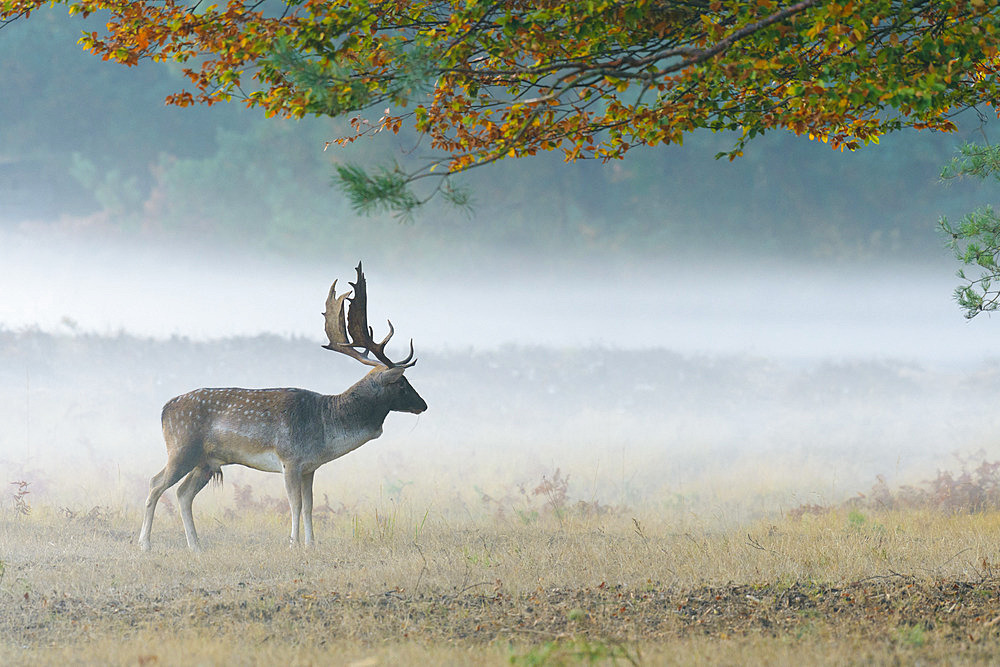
[{"x": 484, "y": 81}]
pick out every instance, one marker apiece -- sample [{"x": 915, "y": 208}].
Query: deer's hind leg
[
  {"x": 189, "y": 488},
  {"x": 160, "y": 482}
]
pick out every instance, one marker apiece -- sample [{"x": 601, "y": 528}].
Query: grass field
[
  {"x": 552, "y": 507},
  {"x": 402, "y": 585}
]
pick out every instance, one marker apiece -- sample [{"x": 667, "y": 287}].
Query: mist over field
[
  {"x": 769, "y": 307},
  {"x": 668, "y": 330},
  {"x": 651, "y": 387}
]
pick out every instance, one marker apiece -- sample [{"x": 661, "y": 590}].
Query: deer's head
[
  {"x": 349, "y": 333},
  {"x": 396, "y": 390}
]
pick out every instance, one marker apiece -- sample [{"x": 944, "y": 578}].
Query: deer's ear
[{"x": 390, "y": 375}]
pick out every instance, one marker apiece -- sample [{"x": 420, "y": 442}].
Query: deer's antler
[{"x": 351, "y": 333}]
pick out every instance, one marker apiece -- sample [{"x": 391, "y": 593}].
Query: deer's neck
[{"x": 354, "y": 417}]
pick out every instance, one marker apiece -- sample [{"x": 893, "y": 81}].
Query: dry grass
[
  {"x": 400, "y": 584},
  {"x": 704, "y": 521}
]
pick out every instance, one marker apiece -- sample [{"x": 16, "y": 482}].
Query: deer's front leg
[
  {"x": 293, "y": 487},
  {"x": 307, "y": 506}
]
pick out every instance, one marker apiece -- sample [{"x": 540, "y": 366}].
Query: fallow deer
[{"x": 291, "y": 431}]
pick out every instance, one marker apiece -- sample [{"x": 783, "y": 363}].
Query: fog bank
[{"x": 777, "y": 309}]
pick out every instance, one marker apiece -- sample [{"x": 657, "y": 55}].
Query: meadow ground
[
  {"x": 705, "y": 521},
  {"x": 402, "y": 585}
]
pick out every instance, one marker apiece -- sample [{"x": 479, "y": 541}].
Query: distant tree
[
  {"x": 484, "y": 81},
  {"x": 976, "y": 238}
]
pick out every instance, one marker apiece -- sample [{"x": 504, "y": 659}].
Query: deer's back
[{"x": 248, "y": 426}]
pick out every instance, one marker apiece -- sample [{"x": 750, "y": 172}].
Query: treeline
[{"x": 85, "y": 139}]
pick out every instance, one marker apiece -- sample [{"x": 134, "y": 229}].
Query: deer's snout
[{"x": 418, "y": 405}]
